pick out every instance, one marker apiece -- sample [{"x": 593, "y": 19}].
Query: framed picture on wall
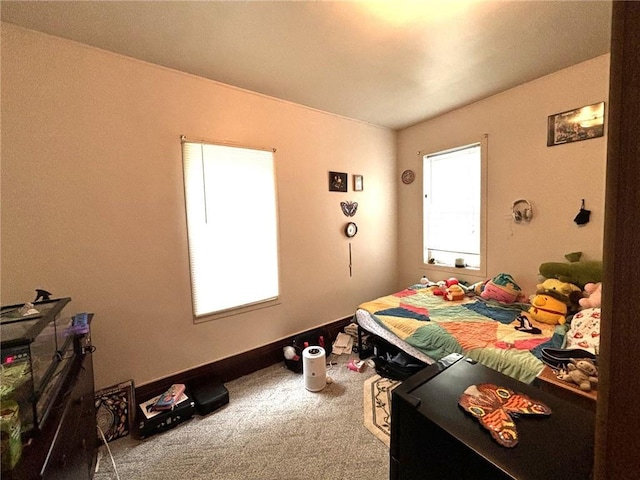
[
  {"x": 358, "y": 183},
  {"x": 575, "y": 125},
  {"x": 337, "y": 182}
]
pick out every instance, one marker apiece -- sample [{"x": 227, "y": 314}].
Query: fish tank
[{"x": 36, "y": 350}]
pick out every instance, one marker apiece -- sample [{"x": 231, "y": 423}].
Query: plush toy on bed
[
  {"x": 546, "y": 308},
  {"x": 450, "y": 289},
  {"x": 567, "y": 292},
  {"x": 454, "y": 292},
  {"x": 579, "y": 272},
  {"x": 594, "y": 295},
  {"x": 502, "y": 288},
  {"x": 582, "y": 372}
]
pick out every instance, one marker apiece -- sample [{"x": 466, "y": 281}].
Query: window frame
[
  {"x": 450, "y": 269},
  {"x": 248, "y": 306}
]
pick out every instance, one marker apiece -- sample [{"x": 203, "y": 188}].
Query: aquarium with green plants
[{"x": 36, "y": 350}]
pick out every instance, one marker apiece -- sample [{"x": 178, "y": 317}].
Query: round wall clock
[
  {"x": 408, "y": 176},
  {"x": 351, "y": 229}
]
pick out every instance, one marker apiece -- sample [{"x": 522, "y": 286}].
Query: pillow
[
  {"x": 584, "y": 332},
  {"x": 502, "y": 288}
]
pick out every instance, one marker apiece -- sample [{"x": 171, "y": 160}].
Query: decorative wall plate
[{"x": 408, "y": 176}]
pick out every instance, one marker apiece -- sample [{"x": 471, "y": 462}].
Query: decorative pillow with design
[
  {"x": 502, "y": 288},
  {"x": 585, "y": 330}
]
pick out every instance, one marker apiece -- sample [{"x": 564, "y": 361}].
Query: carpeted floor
[{"x": 272, "y": 428}]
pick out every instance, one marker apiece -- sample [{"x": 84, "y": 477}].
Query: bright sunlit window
[
  {"x": 452, "y": 207},
  {"x": 230, "y": 197}
]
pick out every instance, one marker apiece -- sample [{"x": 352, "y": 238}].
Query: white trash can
[{"x": 314, "y": 368}]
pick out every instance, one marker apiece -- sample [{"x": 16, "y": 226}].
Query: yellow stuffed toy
[
  {"x": 567, "y": 292},
  {"x": 554, "y": 285},
  {"x": 547, "y": 309}
]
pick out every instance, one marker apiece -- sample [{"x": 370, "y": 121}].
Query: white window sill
[{"x": 455, "y": 271}]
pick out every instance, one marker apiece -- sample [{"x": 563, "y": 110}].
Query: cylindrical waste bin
[{"x": 314, "y": 368}]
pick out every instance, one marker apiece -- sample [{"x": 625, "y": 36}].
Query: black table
[{"x": 433, "y": 438}]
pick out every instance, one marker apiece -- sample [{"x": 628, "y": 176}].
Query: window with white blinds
[
  {"x": 230, "y": 197},
  {"x": 453, "y": 206}
]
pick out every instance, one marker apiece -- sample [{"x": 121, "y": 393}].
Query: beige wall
[
  {"x": 553, "y": 179},
  {"x": 92, "y": 203}
]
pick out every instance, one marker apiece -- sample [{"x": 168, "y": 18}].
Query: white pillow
[{"x": 584, "y": 332}]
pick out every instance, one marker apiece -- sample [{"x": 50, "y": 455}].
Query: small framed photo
[
  {"x": 358, "y": 185},
  {"x": 337, "y": 182},
  {"x": 575, "y": 125}
]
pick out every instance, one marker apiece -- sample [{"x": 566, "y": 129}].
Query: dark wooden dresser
[
  {"x": 432, "y": 437},
  {"x": 66, "y": 446}
]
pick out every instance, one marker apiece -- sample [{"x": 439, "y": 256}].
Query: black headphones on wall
[{"x": 525, "y": 214}]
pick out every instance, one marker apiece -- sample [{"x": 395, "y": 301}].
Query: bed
[{"x": 428, "y": 327}]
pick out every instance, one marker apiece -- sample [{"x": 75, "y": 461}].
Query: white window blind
[
  {"x": 452, "y": 206},
  {"x": 230, "y": 198}
]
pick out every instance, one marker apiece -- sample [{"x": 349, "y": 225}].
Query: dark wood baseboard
[{"x": 230, "y": 368}]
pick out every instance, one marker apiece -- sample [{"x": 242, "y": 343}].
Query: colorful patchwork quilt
[{"x": 483, "y": 330}]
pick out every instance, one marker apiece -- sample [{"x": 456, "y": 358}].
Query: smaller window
[{"x": 453, "y": 207}]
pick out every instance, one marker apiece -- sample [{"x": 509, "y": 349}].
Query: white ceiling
[{"x": 390, "y": 63}]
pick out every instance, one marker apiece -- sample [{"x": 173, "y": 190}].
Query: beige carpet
[
  {"x": 272, "y": 429},
  {"x": 377, "y": 406}
]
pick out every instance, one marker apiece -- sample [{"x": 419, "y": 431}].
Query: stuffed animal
[
  {"x": 594, "y": 296},
  {"x": 562, "y": 288},
  {"x": 454, "y": 292},
  {"x": 579, "y": 272},
  {"x": 548, "y": 309},
  {"x": 567, "y": 292},
  {"x": 451, "y": 281},
  {"x": 478, "y": 287},
  {"x": 502, "y": 288},
  {"x": 582, "y": 372}
]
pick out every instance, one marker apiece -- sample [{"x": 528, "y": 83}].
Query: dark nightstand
[
  {"x": 432, "y": 437},
  {"x": 548, "y": 381}
]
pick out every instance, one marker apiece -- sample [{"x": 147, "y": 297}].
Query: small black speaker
[{"x": 209, "y": 396}]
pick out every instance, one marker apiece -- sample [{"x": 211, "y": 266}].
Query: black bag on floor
[
  {"x": 316, "y": 338},
  {"x": 397, "y": 367}
]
